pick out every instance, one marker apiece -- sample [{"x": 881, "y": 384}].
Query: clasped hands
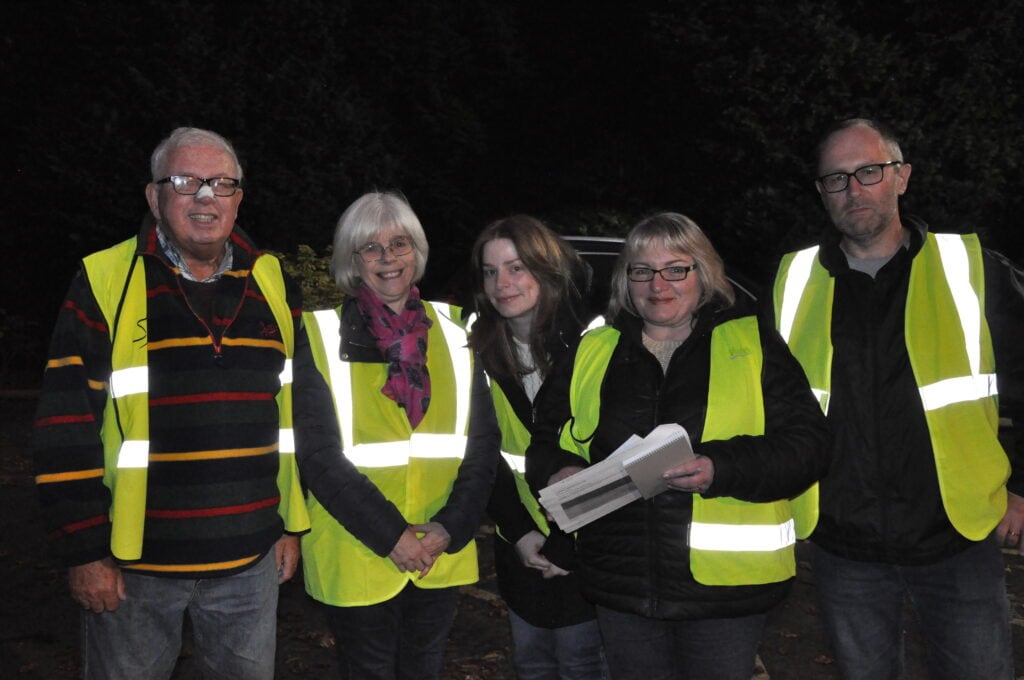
[{"x": 419, "y": 546}]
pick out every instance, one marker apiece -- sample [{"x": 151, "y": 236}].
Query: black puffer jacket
[{"x": 636, "y": 559}]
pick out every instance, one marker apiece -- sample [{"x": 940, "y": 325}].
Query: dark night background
[{"x": 586, "y": 114}]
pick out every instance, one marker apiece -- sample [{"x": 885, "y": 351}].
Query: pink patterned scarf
[{"x": 402, "y": 338}]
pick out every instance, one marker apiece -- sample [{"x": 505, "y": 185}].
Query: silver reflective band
[
  {"x": 742, "y": 538},
  {"x": 516, "y": 462},
  {"x": 127, "y": 381},
  {"x": 428, "y": 445},
  {"x": 796, "y": 281},
  {"x": 822, "y": 397},
  {"x": 381, "y": 455},
  {"x": 398, "y": 453},
  {"x": 340, "y": 375},
  {"x": 596, "y": 322},
  {"x": 955, "y": 390},
  {"x": 455, "y": 336},
  {"x": 134, "y": 453},
  {"x": 957, "y": 268},
  {"x": 286, "y": 440},
  {"x": 286, "y": 373}
]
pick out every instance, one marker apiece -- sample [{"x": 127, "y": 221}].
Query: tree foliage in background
[{"x": 587, "y": 114}]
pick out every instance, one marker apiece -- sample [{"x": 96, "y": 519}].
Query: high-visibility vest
[
  {"x": 117, "y": 277},
  {"x": 732, "y": 542},
  {"x": 415, "y": 469},
  {"x": 950, "y": 350},
  {"x": 515, "y": 439}
]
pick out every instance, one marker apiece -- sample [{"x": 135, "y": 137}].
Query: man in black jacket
[{"x": 911, "y": 340}]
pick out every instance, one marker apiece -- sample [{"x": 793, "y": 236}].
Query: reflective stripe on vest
[
  {"x": 955, "y": 377},
  {"x": 117, "y": 278},
  {"x": 732, "y": 542},
  {"x": 425, "y": 445},
  {"x": 978, "y": 384},
  {"x": 515, "y": 439},
  {"x": 413, "y": 469},
  {"x": 795, "y": 283}
]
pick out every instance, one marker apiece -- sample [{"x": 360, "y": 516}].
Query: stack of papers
[{"x": 632, "y": 472}]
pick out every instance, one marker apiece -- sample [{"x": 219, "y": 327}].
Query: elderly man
[
  {"x": 166, "y": 438},
  {"x": 905, "y": 335}
]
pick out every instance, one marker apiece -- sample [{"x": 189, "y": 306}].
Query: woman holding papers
[
  {"x": 528, "y": 292},
  {"x": 682, "y": 580},
  {"x": 419, "y": 422}
]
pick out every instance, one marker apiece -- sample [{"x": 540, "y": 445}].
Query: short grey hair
[
  {"x": 368, "y": 216},
  {"x": 887, "y": 134},
  {"x": 188, "y": 136}
]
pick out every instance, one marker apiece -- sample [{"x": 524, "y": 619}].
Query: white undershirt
[{"x": 531, "y": 381}]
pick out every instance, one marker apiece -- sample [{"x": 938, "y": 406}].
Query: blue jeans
[
  {"x": 641, "y": 648},
  {"x": 962, "y": 610},
  {"x": 403, "y": 638},
  {"x": 566, "y": 653},
  {"x": 234, "y": 625}
]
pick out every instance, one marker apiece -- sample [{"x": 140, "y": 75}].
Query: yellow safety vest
[
  {"x": 515, "y": 439},
  {"x": 955, "y": 376},
  {"x": 415, "y": 469},
  {"x": 732, "y": 542},
  {"x": 125, "y": 429}
]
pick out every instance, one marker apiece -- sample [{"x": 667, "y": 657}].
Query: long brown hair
[{"x": 560, "y": 275}]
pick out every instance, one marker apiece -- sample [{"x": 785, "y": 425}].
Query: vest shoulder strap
[{"x": 589, "y": 367}]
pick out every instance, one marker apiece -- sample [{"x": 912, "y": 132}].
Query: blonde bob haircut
[
  {"x": 677, "y": 234},
  {"x": 364, "y": 221}
]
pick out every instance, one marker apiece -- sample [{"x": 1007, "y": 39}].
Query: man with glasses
[
  {"x": 908, "y": 337},
  {"x": 179, "y": 392}
]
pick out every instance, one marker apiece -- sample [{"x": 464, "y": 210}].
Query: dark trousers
[
  {"x": 962, "y": 609},
  {"x": 403, "y": 638},
  {"x": 640, "y": 648}
]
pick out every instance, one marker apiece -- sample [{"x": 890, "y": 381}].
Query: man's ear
[
  {"x": 821, "y": 192},
  {"x": 903, "y": 175},
  {"x": 153, "y": 199}
]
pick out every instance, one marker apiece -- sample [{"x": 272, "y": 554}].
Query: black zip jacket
[{"x": 880, "y": 501}]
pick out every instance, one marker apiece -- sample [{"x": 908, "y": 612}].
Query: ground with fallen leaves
[{"x": 39, "y": 623}]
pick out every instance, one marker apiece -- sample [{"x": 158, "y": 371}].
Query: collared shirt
[{"x": 176, "y": 258}]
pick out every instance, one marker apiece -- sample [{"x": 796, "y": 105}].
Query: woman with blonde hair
[{"x": 682, "y": 581}]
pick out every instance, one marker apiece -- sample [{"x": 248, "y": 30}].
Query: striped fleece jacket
[{"x": 212, "y": 498}]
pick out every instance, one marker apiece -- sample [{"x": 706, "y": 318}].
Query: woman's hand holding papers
[{"x": 693, "y": 476}]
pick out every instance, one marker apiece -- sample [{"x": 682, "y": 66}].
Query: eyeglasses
[
  {"x": 375, "y": 251},
  {"x": 867, "y": 175},
  {"x": 674, "y": 273},
  {"x": 187, "y": 185}
]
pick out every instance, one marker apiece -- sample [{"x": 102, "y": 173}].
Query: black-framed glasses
[
  {"x": 673, "y": 273},
  {"x": 866, "y": 175},
  {"x": 187, "y": 185},
  {"x": 401, "y": 245}
]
